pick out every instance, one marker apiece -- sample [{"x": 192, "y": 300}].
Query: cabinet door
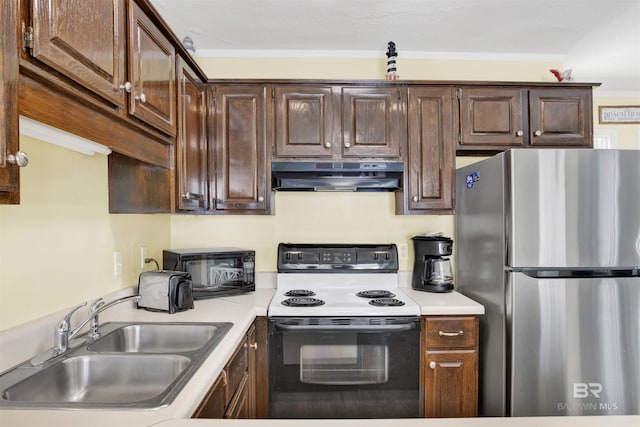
[
  {"x": 85, "y": 41},
  {"x": 239, "y": 406},
  {"x": 191, "y": 144},
  {"x": 152, "y": 73},
  {"x": 214, "y": 404},
  {"x": 560, "y": 117},
  {"x": 241, "y": 156},
  {"x": 451, "y": 385},
  {"x": 431, "y": 149},
  {"x": 372, "y": 122},
  {"x": 305, "y": 122},
  {"x": 492, "y": 117},
  {"x": 251, "y": 371},
  {"x": 9, "y": 142}
]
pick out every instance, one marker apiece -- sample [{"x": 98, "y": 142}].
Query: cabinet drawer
[{"x": 451, "y": 332}]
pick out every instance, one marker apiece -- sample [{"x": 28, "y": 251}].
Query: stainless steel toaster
[{"x": 165, "y": 290}]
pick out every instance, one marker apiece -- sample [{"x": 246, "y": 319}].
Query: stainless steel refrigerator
[{"x": 549, "y": 242}]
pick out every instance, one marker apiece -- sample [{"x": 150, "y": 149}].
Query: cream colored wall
[
  {"x": 628, "y": 134},
  {"x": 333, "y": 217},
  {"x": 56, "y": 247}
]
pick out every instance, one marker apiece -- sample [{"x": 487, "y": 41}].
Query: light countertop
[{"x": 241, "y": 310}]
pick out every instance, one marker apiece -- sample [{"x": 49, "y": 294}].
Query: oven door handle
[{"x": 349, "y": 328}]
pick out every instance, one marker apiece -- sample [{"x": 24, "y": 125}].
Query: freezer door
[
  {"x": 573, "y": 208},
  {"x": 575, "y": 346}
]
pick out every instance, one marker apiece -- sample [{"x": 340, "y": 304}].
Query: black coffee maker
[{"x": 431, "y": 266}]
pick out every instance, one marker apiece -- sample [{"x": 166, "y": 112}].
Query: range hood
[{"x": 336, "y": 176}]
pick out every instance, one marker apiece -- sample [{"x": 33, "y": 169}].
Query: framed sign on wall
[{"x": 619, "y": 114}]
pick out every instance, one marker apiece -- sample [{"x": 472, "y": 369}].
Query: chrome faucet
[
  {"x": 63, "y": 334},
  {"x": 98, "y": 307}
]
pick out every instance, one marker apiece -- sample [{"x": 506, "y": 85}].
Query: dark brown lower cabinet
[
  {"x": 450, "y": 366},
  {"x": 238, "y": 391}
]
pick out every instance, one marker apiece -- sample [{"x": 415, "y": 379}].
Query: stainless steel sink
[
  {"x": 132, "y": 365},
  {"x": 105, "y": 379},
  {"x": 158, "y": 338}
]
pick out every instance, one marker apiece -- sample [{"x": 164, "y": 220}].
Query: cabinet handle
[
  {"x": 432, "y": 365},
  {"x": 142, "y": 98},
  {"x": 519, "y": 133},
  {"x": 260, "y": 199},
  {"x": 126, "y": 86},
  {"x": 192, "y": 196},
  {"x": 538, "y": 133},
  {"x": 415, "y": 198},
  {"x": 20, "y": 159},
  {"x": 327, "y": 145},
  {"x": 225, "y": 381},
  {"x": 347, "y": 144},
  {"x": 451, "y": 334}
]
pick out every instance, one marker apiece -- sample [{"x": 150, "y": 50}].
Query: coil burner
[
  {"x": 302, "y": 302},
  {"x": 376, "y": 293},
  {"x": 299, "y": 293},
  {"x": 386, "y": 302}
]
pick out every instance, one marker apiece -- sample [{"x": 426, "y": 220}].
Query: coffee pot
[{"x": 432, "y": 268}]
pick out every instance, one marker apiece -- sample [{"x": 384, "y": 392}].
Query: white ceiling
[{"x": 598, "y": 39}]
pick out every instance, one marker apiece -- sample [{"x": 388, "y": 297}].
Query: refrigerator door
[
  {"x": 574, "y": 346},
  {"x": 573, "y": 208}
]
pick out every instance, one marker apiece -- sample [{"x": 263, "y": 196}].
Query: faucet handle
[
  {"x": 64, "y": 323},
  {"x": 96, "y": 305}
]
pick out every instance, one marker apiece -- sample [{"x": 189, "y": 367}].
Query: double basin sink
[{"x": 132, "y": 365}]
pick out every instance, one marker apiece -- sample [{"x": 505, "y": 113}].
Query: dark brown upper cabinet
[
  {"x": 191, "y": 144},
  {"x": 494, "y": 119},
  {"x": 84, "y": 40},
  {"x": 373, "y": 123},
  {"x": 429, "y": 180},
  {"x": 305, "y": 122},
  {"x": 152, "y": 74},
  {"x": 9, "y": 141},
  {"x": 242, "y": 173}
]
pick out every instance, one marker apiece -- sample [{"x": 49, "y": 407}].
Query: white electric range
[{"x": 344, "y": 340}]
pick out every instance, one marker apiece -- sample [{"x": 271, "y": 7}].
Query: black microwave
[{"x": 215, "y": 272}]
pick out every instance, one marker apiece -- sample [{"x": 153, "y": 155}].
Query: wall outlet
[
  {"x": 144, "y": 254},
  {"x": 403, "y": 251},
  {"x": 117, "y": 264}
]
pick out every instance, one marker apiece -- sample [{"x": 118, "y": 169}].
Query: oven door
[{"x": 344, "y": 368}]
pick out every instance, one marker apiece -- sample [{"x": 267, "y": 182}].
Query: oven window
[
  {"x": 343, "y": 368},
  {"x": 343, "y": 364}
]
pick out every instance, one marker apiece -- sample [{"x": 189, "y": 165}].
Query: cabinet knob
[
  {"x": 432, "y": 365},
  {"x": 519, "y": 133},
  {"x": 415, "y": 198},
  {"x": 260, "y": 199},
  {"x": 254, "y": 346},
  {"x": 126, "y": 86},
  {"x": 142, "y": 98},
  {"x": 538, "y": 133},
  {"x": 347, "y": 144},
  {"x": 20, "y": 159},
  {"x": 327, "y": 145}
]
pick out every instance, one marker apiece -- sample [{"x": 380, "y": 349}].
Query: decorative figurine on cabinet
[{"x": 391, "y": 62}]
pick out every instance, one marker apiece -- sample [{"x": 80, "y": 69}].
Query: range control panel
[{"x": 337, "y": 258}]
